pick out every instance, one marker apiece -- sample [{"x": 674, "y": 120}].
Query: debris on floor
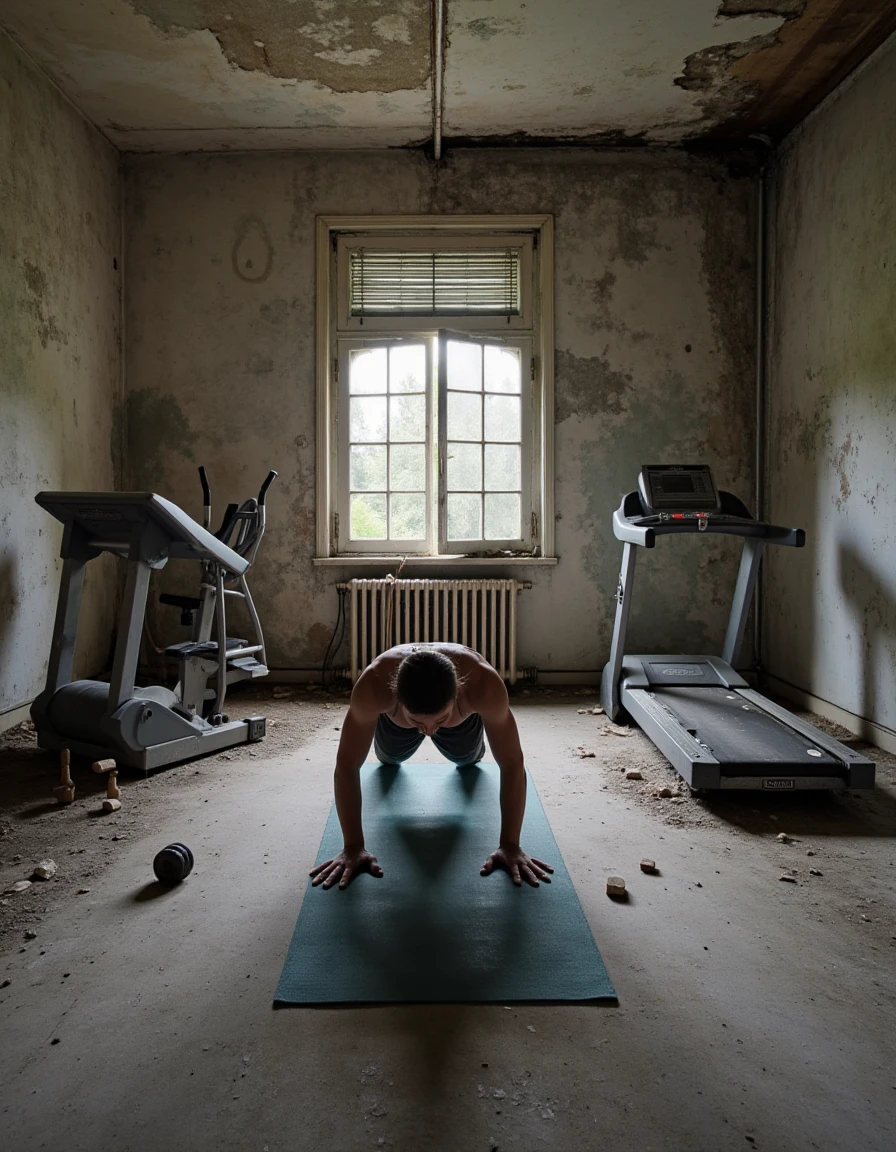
[
  {"x": 616, "y": 730},
  {"x": 19, "y": 886},
  {"x": 45, "y": 870},
  {"x": 649, "y": 866},
  {"x": 615, "y": 886},
  {"x": 634, "y": 774},
  {"x": 787, "y": 878}
]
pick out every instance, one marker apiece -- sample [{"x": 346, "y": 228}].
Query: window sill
[{"x": 434, "y": 561}]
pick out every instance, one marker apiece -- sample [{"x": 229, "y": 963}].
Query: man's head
[{"x": 426, "y": 686}]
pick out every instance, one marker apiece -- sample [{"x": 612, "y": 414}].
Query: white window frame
[{"x": 335, "y": 329}]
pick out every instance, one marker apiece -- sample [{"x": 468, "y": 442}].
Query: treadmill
[{"x": 704, "y": 717}]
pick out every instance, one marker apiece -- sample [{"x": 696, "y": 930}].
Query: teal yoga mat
[{"x": 432, "y": 930}]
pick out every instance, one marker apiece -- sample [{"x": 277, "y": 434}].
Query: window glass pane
[
  {"x": 368, "y": 467},
  {"x": 464, "y": 467},
  {"x": 407, "y": 368},
  {"x": 464, "y": 366},
  {"x": 502, "y": 516},
  {"x": 407, "y": 418},
  {"x": 502, "y": 418},
  {"x": 408, "y": 517},
  {"x": 407, "y": 466},
  {"x": 368, "y": 517},
  {"x": 368, "y": 371},
  {"x": 465, "y": 417},
  {"x": 367, "y": 420},
  {"x": 502, "y": 467},
  {"x": 464, "y": 517},
  {"x": 502, "y": 369}
]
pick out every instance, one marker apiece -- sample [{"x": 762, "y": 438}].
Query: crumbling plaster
[
  {"x": 59, "y": 363},
  {"x": 832, "y": 415},
  {"x": 182, "y": 75},
  {"x": 654, "y": 331}
]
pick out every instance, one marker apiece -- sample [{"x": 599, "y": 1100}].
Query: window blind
[{"x": 485, "y": 282}]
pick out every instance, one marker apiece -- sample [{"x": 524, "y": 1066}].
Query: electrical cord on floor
[{"x": 340, "y": 620}]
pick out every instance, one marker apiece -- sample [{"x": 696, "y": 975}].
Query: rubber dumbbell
[{"x": 173, "y": 864}]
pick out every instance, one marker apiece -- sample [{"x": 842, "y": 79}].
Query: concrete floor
[{"x": 752, "y": 1013}]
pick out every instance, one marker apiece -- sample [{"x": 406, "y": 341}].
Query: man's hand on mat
[
  {"x": 519, "y": 865},
  {"x": 344, "y": 868}
]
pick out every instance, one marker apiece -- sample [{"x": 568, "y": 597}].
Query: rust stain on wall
[{"x": 355, "y": 47}]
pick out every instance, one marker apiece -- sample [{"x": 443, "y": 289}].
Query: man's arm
[
  {"x": 504, "y": 741},
  {"x": 354, "y": 743}
]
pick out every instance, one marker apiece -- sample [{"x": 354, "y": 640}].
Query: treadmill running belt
[{"x": 737, "y": 732}]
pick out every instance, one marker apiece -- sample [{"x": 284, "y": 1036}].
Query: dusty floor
[{"x": 753, "y": 1013}]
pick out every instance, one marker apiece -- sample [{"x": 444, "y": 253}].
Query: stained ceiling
[{"x": 162, "y": 75}]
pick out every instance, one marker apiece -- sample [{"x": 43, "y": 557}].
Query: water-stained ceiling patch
[{"x": 349, "y": 47}]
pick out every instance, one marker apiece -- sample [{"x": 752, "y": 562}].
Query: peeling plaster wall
[
  {"x": 654, "y": 362},
  {"x": 59, "y": 362},
  {"x": 831, "y": 610}
]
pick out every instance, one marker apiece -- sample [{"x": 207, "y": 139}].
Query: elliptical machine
[
  {"x": 148, "y": 727},
  {"x": 241, "y": 531}
]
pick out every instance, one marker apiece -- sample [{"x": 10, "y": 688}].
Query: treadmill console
[{"x": 665, "y": 488}]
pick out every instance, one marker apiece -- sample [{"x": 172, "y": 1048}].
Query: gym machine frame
[
  {"x": 702, "y": 715},
  {"x": 149, "y": 727}
]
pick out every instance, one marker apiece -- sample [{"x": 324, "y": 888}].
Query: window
[{"x": 434, "y": 413}]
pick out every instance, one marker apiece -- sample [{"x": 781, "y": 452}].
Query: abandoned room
[{"x": 378, "y": 379}]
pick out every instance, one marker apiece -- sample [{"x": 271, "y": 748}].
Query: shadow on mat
[
  {"x": 430, "y": 845},
  {"x": 386, "y": 775},
  {"x": 469, "y": 776}
]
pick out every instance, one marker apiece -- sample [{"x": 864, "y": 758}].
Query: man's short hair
[{"x": 425, "y": 681}]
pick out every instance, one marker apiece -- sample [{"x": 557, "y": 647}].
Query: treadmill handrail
[
  {"x": 630, "y": 529},
  {"x": 186, "y": 538}
]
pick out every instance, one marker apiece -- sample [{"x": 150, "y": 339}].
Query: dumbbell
[{"x": 173, "y": 864}]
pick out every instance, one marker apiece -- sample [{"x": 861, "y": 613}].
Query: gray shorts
[{"x": 462, "y": 744}]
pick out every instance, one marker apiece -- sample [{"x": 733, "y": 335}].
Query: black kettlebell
[{"x": 173, "y": 864}]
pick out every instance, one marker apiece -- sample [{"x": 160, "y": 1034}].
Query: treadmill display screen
[{"x": 688, "y": 487}]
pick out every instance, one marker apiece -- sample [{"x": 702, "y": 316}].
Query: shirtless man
[{"x": 451, "y": 694}]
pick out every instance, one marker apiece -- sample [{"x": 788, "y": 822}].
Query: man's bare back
[{"x": 453, "y": 695}]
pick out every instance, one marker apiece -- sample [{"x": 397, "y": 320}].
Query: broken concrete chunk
[
  {"x": 615, "y": 886},
  {"x": 788, "y": 879},
  {"x": 19, "y": 886},
  {"x": 597, "y": 710},
  {"x": 30, "y": 935},
  {"x": 649, "y": 866},
  {"x": 665, "y": 792},
  {"x": 615, "y": 730},
  {"x": 815, "y": 872},
  {"x": 111, "y": 806},
  {"x": 633, "y": 774},
  {"x": 46, "y": 870}
]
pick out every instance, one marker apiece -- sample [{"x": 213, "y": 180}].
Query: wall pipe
[
  {"x": 438, "y": 48},
  {"x": 761, "y": 380}
]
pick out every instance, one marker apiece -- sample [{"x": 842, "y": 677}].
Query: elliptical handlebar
[
  {"x": 206, "y": 498},
  {"x": 250, "y": 516},
  {"x": 262, "y": 492}
]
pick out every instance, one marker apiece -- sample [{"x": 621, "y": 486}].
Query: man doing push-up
[{"x": 454, "y": 696}]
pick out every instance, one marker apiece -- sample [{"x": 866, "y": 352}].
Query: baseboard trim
[
  {"x": 877, "y": 734},
  {"x": 14, "y": 716}
]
